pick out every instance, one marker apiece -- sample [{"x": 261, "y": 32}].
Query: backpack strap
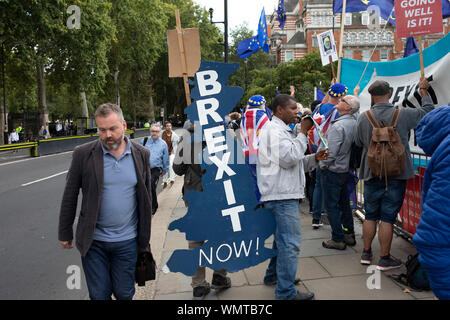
[
  {"x": 372, "y": 119},
  {"x": 394, "y": 119},
  {"x": 145, "y": 141}
]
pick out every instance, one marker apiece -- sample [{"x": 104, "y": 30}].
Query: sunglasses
[{"x": 343, "y": 100}]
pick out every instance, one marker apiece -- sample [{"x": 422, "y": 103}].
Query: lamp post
[
  {"x": 225, "y": 22},
  {"x": 3, "y": 79}
]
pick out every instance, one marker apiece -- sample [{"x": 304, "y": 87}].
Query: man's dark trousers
[
  {"x": 337, "y": 203},
  {"x": 156, "y": 172},
  {"x": 109, "y": 269}
]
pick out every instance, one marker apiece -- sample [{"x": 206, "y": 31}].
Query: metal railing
[{"x": 409, "y": 215}]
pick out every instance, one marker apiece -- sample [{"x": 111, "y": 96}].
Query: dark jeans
[
  {"x": 109, "y": 269},
  {"x": 310, "y": 185},
  {"x": 337, "y": 204},
  {"x": 318, "y": 196},
  {"x": 156, "y": 172}
]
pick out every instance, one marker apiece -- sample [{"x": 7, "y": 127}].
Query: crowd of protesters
[{"x": 293, "y": 154}]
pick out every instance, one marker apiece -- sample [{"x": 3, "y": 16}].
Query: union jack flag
[
  {"x": 253, "y": 121},
  {"x": 324, "y": 121}
]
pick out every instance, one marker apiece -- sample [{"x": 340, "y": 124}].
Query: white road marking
[
  {"x": 46, "y": 178},
  {"x": 34, "y": 158}
]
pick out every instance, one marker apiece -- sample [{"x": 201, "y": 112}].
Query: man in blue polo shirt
[
  {"x": 159, "y": 159},
  {"x": 114, "y": 221}
]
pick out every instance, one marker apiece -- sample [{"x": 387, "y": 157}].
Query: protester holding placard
[
  {"x": 281, "y": 160},
  {"x": 383, "y": 202}
]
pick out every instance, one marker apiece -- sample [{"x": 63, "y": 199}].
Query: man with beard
[{"x": 115, "y": 218}]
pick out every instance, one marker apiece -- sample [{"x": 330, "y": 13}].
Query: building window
[
  {"x": 289, "y": 56},
  {"x": 371, "y": 37},
  {"x": 348, "y": 19},
  {"x": 379, "y": 36},
  {"x": 352, "y": 38},
  {"x": 384, "y": 56},
  {"x": 314, "y": 41},
  {"x": 362, "y": 37},
  {"x": 348, "y": 54},
  {"x": 365, "y": 55},
  {"x": 365, "y": 18}
]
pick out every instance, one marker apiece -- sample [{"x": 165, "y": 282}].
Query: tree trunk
[
  {"x": 151, "y": 106},
  {"x": 42, "y": 100},
  {"x": 116, "y": 81},
  {"x": 3, "y": 128},
  {"x": 84, "y": 107}
]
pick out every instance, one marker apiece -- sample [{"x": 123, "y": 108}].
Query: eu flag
[
  {"x": 262, "y": 32},
  {"x": 250, "y": 46},
  {"x": 362, "y": 5},
  {"x": 281, "y": 14},
  {"x": 410, "y": 47}
]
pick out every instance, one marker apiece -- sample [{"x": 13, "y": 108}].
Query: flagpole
[{"x": 341, "y": 41}]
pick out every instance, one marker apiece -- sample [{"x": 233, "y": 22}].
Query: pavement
[{"x": 329, "y": 274}]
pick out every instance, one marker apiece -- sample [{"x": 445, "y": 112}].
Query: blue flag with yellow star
[
  {"x": 250, "y": 46},
  {"x": 262, "y": 32},
  {"x": 281, "y": 14}
]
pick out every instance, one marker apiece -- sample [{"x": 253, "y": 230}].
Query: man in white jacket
[{"x": 281, "y": 161}]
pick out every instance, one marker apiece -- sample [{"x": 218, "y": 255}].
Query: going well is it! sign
[{"x": 223, "y": 214}]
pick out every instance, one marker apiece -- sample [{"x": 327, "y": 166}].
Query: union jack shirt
[{"x": 253, "y": 121}]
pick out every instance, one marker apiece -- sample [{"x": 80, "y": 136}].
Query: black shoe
[
  {"x": 274, "y": 282},
  {"x": 201, "y": 291},
  {"x": 219, "y": 282},
  {"x": 303, "y": 296},
  {"x": 316, "y": 223}
]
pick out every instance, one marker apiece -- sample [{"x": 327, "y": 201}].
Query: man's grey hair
[
  {"x": 156, "y": 125},
  {"x": 105, "y": 109},
  {"x": 354, "y": 104}
]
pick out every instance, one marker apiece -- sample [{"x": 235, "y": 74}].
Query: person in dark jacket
[
  {"x": 115, "y": 218},
  {"x": 432, "y": 237},
  {"x": 187, "y": 163}
]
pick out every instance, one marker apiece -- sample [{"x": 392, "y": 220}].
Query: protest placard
[{"x": 418, "y": 17}]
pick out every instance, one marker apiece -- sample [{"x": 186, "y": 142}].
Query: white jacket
[{"x": 282, "y": 162}]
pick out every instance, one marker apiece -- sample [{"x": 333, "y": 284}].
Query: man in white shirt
[{"x": 280, "y": 175}]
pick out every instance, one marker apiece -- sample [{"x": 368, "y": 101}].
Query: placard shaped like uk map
[{"x": 223, "y": 215}]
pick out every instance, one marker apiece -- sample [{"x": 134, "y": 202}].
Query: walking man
[
  {"x": 159, "y": 159},
  {"x": 171, "y": 139},
  {"x": 281, "y": 162},
  {"x": 383, "y": 202},
  {"x": 114, "y": 222}
]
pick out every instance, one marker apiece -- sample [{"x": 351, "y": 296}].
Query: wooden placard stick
[
  {"x": 182, "y": 56},
  {"x": 422, "y": 71},
  {"x": 332, "y": 68}
]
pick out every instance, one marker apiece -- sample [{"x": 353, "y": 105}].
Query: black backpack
[{"x": 415, "y": 276}]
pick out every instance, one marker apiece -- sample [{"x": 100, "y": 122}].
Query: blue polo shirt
[
  {"x": 159, "y": 153},
  {"x": 117, "y": 220}
]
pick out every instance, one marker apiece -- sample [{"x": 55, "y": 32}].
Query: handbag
[{"x": 145, "y": 268}]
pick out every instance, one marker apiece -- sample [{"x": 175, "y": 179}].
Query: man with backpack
[{"x": 386, "y": 165}]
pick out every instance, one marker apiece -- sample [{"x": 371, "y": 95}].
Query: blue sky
[{"x": 239, "y": 11}]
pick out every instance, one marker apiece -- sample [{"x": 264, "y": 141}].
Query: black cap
[{"x": 379, "y": 88}]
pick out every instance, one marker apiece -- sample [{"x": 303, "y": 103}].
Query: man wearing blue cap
[
  {"x": 253, "y": 121},
  {"x": 324, "y": 114}
]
